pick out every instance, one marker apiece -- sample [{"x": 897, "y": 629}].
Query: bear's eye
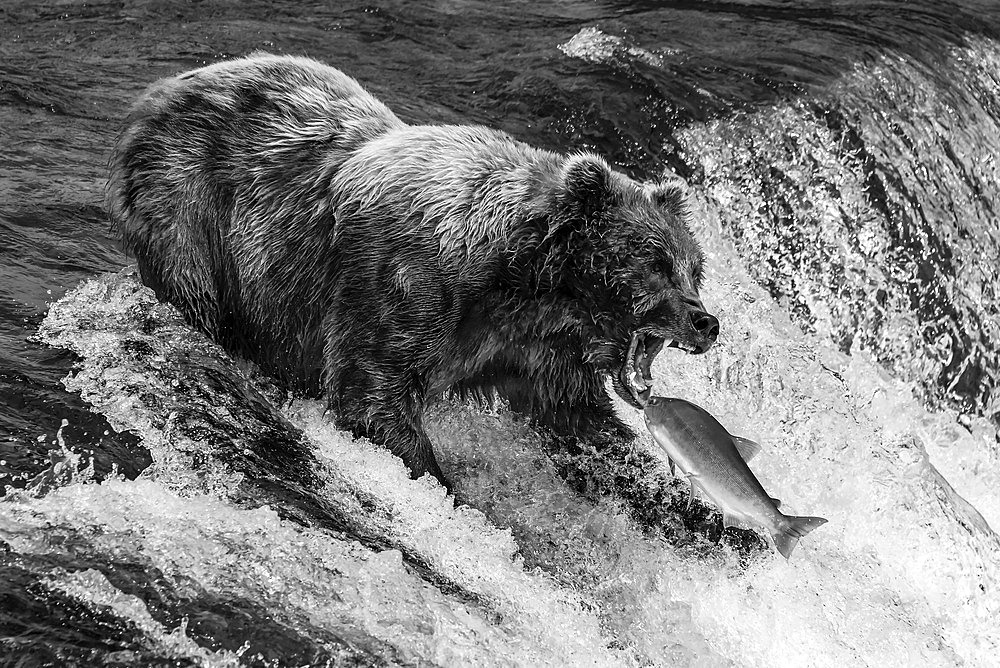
[
  {"x": 661, "y": 275},
  {"x": 665, "y": 268}
]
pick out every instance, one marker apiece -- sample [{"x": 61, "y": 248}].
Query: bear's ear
[
  {"x": 669, "y": 194},
  {"x": 587, "y": 184}
]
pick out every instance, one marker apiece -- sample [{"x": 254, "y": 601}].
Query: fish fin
[
  {"x": 748, "y": 449},
  {"x": 733, "y": 521},
  {"x": 673, "y": 467},
  {"x": 776, "y": 502},
  {"x": 694, "y": 482},
  {"x": 786, "y": 539}
]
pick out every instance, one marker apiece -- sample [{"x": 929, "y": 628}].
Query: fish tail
[{"x": 786, "y": 537}]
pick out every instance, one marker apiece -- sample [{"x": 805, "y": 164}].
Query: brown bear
[{"x": 295, "y": 219}]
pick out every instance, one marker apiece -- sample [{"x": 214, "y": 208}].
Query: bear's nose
[{"x": 707, "y": 325}]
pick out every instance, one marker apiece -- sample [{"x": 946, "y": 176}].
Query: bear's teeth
[
  {"x": 633, "y": 348},
  {"x": 637, "y": 381},
  {"x": 681, "y": 345}
]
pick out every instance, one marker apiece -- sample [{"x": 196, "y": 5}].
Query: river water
[{"x": 165, "y": 506}]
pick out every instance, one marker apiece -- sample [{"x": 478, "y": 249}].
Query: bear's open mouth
[{"x": 635, "y": 373}]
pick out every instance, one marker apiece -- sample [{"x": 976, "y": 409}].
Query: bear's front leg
[
  {"x": 586, "y": 412},
  {"x": 413, "y": 446},
  {"x": 599, "y": 455},
  {"x": 402, "y": 438},
  {"x": 386, "y": 413},
  {"x": 374, "y": 389}
]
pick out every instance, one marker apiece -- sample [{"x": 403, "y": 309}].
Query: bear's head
[{"x": 624, "y": 253}]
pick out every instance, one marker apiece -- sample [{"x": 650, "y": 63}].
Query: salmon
[{"x": 715, "y": 462}]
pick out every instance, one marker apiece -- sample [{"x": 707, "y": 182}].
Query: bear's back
[
  {"x": 251, "y": 192},
  {"x": 252, "y": 114},
  {"x": 463, "y": 194},
  {"x": 212, "y": 174}
]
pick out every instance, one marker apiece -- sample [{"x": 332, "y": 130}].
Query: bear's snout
[
  {"x": 707, "y": 326},
  {"x": 704, "y": 323}
]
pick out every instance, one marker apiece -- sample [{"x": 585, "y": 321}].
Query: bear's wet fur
[{"x": 294, "y": 218}]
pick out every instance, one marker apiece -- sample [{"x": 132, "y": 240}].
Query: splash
[
  {"x": 595, "y": 46},
  {"x": 531, "y": 571},
  {"x": 867, "y": 210},
  {"x": 134, "y": 342},
  {"x": 865, "y": 204}
]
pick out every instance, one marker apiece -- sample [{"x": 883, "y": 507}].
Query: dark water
[{"x": 845, "y": 151}]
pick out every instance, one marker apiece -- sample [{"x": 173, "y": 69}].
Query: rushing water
[{"x": 164, "y": 505}]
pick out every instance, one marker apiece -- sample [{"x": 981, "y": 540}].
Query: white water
[
  {"x": 905, "y": 573},
  {"x": 866, "y": 206}
]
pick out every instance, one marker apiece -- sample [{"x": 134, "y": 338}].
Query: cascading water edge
[
  {"x": 500, "y": 585},
  {"x": 868, "y": 212},
  {"x": 852, "y": 260}
]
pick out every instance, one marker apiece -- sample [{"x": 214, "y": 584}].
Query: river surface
[{"x": 164, "y": 505}]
